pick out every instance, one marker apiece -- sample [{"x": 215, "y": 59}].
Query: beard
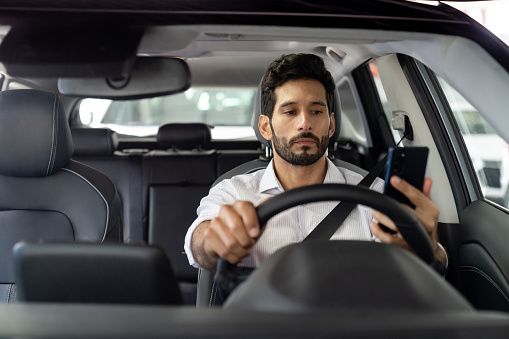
[{"x": 282, "y": 146}]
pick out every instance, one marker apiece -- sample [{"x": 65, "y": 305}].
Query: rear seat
[
  {"x": 178, "y": 179},
  {"x": 96, "y": 147},
  {"x": 161, "y": 190}
]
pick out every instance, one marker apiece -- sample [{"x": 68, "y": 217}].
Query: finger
[
  {"x": 383, "y": 236},
  {"x": 426, "y": 186},
  {"x": 224, "y": 242},
  {"x": 247, "y": 213},
  {"x": 215, "y": 245},
  {"x": 413, "y": 194},
  {"x": 384, "y": 220},
  {"x": 232, "y": 223},
  {"x": 387, "y": 238},
  {"x": 428, "y": 217}
]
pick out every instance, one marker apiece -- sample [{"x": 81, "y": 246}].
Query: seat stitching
[
  {"x": 56, "y": 135},
  {"x": 53, "y": 140},
  {"x": 9, "y": 293},
  {"x": 484, "y": 275},
  {"x": 213, "y": 294},
  {"x": 100, "y": 194}
]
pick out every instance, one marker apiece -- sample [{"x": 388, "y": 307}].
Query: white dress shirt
[{"x": 290, "y": 226}]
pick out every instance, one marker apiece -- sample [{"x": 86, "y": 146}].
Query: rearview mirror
[{"x": 149, "y": 77}]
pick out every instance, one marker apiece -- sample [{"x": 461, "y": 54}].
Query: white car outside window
[{"x": 488, "y": 151}]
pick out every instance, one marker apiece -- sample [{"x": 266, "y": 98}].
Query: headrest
[
  {"x": 94, "y": 141},
  {"x": 336, "y": 108},
  {"x": 34, "y": 133},
  {"x": 184, "y": 136}
]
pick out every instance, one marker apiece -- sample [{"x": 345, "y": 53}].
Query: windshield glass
[{"x": 227, "y": 110}]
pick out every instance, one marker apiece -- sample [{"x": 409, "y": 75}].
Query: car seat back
[{"x": 43, "y": 194}]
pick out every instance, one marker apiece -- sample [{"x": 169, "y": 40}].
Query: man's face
[{"x": 301, "y": 126}]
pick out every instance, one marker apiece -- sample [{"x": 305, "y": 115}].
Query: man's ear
[
  {"x": 332, "y": 125},
  {"x": 264, "y": 127}
]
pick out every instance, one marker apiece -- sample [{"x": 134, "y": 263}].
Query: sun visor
[{"x": 34, "y": 52}]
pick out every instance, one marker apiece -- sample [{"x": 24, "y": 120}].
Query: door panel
[
  {"x": 484, "y": 256},
  {"x": 481, "y": 251}
]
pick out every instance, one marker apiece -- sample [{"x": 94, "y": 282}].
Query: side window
[{"x": 488, "y": 152}]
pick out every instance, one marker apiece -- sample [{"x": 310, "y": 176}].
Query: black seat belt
[{"x": 331, "y": 223}]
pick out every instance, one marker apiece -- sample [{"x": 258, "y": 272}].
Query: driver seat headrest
[
  {"x": 258, "y": 109},
  {"x": 34, "y": 134}
]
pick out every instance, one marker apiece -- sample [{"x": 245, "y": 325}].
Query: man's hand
[
  {"x": 425, "y": 211},
  {"x": 231, "y": 235}
]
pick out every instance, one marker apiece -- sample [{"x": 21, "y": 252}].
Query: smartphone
[{"x": 408, "y": 163}]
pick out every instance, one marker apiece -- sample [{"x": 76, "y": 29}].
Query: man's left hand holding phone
[{"x": 424, "y": 208}]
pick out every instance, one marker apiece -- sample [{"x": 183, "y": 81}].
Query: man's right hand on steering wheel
[{"x": 231, "y": 235}]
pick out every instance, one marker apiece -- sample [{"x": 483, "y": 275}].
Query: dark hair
[{"x": 294, "y": 67}]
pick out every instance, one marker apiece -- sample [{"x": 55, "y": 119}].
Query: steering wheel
[{"x": 408, "y": 225}]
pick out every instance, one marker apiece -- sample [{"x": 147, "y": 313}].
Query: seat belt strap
[{"x": 331, "y": 223}]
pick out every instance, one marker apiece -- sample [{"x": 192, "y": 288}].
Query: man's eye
[
  {"x": 317, "y": 112},
  {"x": 288, "y": 112}
]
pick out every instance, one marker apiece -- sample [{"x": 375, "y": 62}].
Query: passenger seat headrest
[
  {"x": 184, "y": 136},
  {"x": 34, "y": 133},
  {"x": 94, "y": 141},
  {"x": 336, "y": 108}
]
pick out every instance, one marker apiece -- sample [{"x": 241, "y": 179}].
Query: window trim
[{"x": 444, "y": 130}]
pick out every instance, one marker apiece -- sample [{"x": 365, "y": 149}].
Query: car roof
[{"x": 221, "y": 35}]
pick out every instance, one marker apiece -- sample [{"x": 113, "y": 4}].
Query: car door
[{"x": 469, "y": 165}]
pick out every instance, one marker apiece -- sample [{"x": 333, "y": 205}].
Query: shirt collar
[
  {"x": 334, "y": 175},
  {"x": 271, "y": 185}
]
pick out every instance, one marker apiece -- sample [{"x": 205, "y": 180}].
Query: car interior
[{"x": 117, "y": 119}]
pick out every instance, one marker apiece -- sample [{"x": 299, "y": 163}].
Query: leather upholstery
[
  {"x": 34, "y": 134},
  {"x": 43, "y": 194},
  {"x": 94, "y": 141},
  {"x": 484, "y": 284},
  {"x": 178, "y": 179},
  {"x": 96, "y": 148},
  {"x": 184, "y": 136},
  {"x": 94, "y": 273}
]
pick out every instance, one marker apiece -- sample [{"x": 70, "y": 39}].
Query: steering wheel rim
[{"x": 408, "y": 225}]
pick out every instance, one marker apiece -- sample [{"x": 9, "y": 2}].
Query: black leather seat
[
  {"x": 178, "y": 178},
  {"x": 97, "y": 148},
  {"x": 43, "y": 194},
  {"x": 94, "y": 142},
  {"x": 94, "y": 273}
]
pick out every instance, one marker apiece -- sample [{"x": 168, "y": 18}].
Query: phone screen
[{"x": 408, "y": 163}]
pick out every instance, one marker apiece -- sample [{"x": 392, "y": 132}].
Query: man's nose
[{"x": 304, "y": 121}]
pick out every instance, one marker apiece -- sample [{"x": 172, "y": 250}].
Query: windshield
[{"x": 227, "y": 110}]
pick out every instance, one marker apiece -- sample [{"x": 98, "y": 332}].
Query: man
[{"x": 297, "y": 96}]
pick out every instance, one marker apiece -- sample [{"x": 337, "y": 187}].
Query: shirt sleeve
[
  {"x": 221, "y": 194},
  {"x": 378, "y": 185}
]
